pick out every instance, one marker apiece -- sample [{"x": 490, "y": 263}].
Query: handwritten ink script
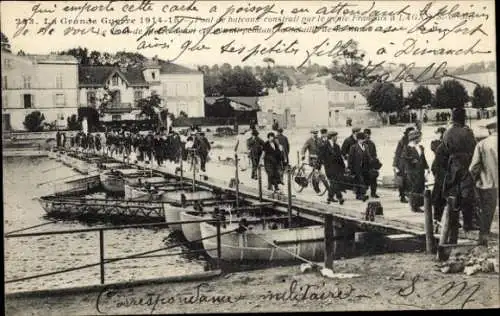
[
  {"x": 408, "y": 33},
  {"x": 444, "y": 294},
  {"x": 112, "y": 299}
]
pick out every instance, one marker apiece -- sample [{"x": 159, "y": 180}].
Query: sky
[{"x": 483, "y": 21}]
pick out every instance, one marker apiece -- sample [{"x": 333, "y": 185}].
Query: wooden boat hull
[
  {"x": 79, "y": 185},
  {"x": 172, "y": 214},
  {"x": 306, "y": 242},
  {"x": 190, "y": 231},
  {"x": 112, "y": 183},
  {"x": 136, "y": 193}
]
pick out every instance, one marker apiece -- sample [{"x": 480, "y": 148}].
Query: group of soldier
[{"x": 462, "y": 168}]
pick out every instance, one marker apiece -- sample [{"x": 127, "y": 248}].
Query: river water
[{"x": 26, "y": 256}]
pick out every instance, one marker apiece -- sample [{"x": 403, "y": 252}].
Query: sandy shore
[{"x": 385, "y": 282}]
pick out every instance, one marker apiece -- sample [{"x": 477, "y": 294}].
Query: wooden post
[
  {"x": 442, "y": 254},
  {"x": 329, "y": 241},
  {"x": 429, "y": 230},
  {"x": 193, "y": 164},
  {"x": 182, "y": 172},
  {"x": 289, "y": 183},
  {"x": 219, "y": 248},
  {"x": 236, "y": 175},
  {"x": 259, "y": 179},
  {"x": 298, "y": 158},
  {"x": 101, "y": 252}
]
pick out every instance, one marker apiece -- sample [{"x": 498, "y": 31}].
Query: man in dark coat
[
  {"x": 202, "y": 146},
  {"x": 158, "y": 149},
  {"x": 399, "y": 166},
  {"x": 330, "y": 157},
  {"x": 372, "y": 151},
  {"x": 149, "y": 143},
  {"x": 58, "y": 139},
  {"x": 283, "y": 141},
  {"x": 272, "y": 162},
  {"x": 438, "y": 169},
  {"x": 359, "y": 164},
  {"x": 255, "y": 146},
  {"x": 348, "y": 142},
  {"x": 416, "y": 166},
  {"x": 459, "y": 143},
  {"x": 63, "y": 139}
]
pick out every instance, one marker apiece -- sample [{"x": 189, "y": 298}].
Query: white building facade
[{"x": 45, "y": 83}]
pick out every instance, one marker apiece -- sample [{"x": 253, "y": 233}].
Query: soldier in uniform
[
  {"x": 312, "y": 146},
  {"x": 399, "y": 166},
  {"x": 255, "y": 146},
  {"x": 438, "y": 169},
  {"x": 459, "y": 143},
  {"x": 349, "y": 141},
  {"x": 372, "y": 151},
  {"x": 330, "y": 157},
  {"x": 359, "y": 164},
  {"x": 202, "y": 147},
  {"x": 285, "y": 145}
]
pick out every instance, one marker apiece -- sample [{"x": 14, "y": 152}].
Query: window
[
  {"x": 153, "y": 75},
  {"x": 4, "y": 82},
  {"x": 27, "y": 82},
  {"x": 28, "y": 100},
  {"x": 114, "y": 80},
  {"x": 116, "y": 117},
  {"x": 91, "y": 98},
  {"x": 60, "y": 99},
  {"x": 137, "y": 96},
  {"x": 60, "y": 116},
  {"x": 59, "y": 81}
]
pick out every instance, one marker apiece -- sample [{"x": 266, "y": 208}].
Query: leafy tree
[
  {"x": 269, "y": 78},
  {"x": 348, "y": 68},
  {"x": 451, "y": 94},
  {"x": 33, "y": 122},
  {"x": 81, "y": 54},
  {"x": 482, "y": 97},
  {"x": 384, "y": 98},
  {"x": 74, "y": 124},
  {"x": 150, "y": 106},
  {"x": 4, "y": 41},
  {"x": 183, "y": 114},
  {"x": 419, "y": 97}
]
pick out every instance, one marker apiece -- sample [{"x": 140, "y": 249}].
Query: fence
[{"x": 103, "y": 261}]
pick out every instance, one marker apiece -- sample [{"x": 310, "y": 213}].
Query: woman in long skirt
[{"x": 272, "y": 162}]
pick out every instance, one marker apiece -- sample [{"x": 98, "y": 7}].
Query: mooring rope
[{"x": 23, "y": 229}]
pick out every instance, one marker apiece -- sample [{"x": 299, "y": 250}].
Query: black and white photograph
[{"x": 185, "y": 157}]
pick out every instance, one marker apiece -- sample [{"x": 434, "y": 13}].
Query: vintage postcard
[{"x": 164, "y": 157}]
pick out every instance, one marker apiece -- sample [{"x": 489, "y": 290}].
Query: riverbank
[{"x": 385, "y": 282}]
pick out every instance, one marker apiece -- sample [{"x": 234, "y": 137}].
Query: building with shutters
[{"x": 45, "y": 83}]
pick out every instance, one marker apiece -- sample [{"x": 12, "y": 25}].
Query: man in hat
[
  {"x": 438, "y": 169},
  {"x": 484, "y": 171},
  {"x": 255, "y": 147},
  {"x": 359, "y": 164},
  {"x": 312, "y": 146},
  {"x": 372, "y": 152},
  {"x": 202, "y": 146},
  {"x": 330, "y": 157},
  {"x": 285, "y": 145},
  {"x": 459, "y": 143},
  {"x": 399, "y": 166},
  {"x": 349, "y": 141},
  {"x": 323, "y": 135}
]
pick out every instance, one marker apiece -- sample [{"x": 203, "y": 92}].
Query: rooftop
[{"x": 97, "y": 75}]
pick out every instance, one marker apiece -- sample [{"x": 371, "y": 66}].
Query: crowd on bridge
[{"x": 462, "y": 168}]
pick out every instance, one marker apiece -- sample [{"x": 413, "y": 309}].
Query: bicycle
[{"x": 301, "y": 179}]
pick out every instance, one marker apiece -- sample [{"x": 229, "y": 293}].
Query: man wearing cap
[
  {"x": 359, "y": 164},
  {"x": 312, "y": 145},
  {"x": 202, "y": 148},
  {"x": 459, "y": 143},
  {"x": 438, "y": 169},
  {"x": 348, "y": 142},
  {"x": 399, "y": 166},
  {"x": 331, "y": 158},
  {"x": 372, "y": 152},
  {"x": 255, "y": 147},
  {"x": 484, "y": 171},
  {"x": 285, "y": 145}
]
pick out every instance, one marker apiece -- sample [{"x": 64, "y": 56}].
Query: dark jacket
[
  {"x": 331, "y": 158},
  {"x": 359, "y": 160},
  {"x": 415, "y": 166},
  {"x": 459, "y": 143},
  {"x": 371, "y": 148},
  {"x": 398, "y": 162},
  {"x": 347, "y": 144},
  {"x": 438, "y": 168},
  {"x": 202, "y": 145},
  {"x": 312, "y": 145},
  {"x": 283, "y": 141},
  {"x": 255, "y": 147},
  {"x": 272, "y": 157}
]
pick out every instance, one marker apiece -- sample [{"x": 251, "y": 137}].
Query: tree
[
  {"x": 269, "y": 78},
  {"x": 384, "y": 98},
  {"x": 482, "y": 97},
  {"x": 347, "y": 67},
  {"x": 74, "y": 124},
  {"x": 451, "y": 94},
  {"x": 183, "y": 114},
  {"x": 33, "y": 122},
  {"x": 419, "y": 97},
  {"x": 150, "y": 107},
  {"x": 5, "y": 42},
  {"x": 81, "y": 54}
]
